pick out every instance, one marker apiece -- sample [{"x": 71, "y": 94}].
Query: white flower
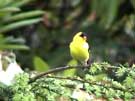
[
  {"x": 7, "y": 77},
  {"x": 0, "y": 63},
  {"x": 3, "y": 77},
  {"x": 12, "y": 70}
]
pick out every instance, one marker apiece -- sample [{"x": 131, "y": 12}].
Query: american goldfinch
[{"x": 79, "y": 48}]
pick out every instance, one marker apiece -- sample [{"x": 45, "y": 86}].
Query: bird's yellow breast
[{"x": 79, "y": 50}]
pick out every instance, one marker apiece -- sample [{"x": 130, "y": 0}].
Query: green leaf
[
  {"x": 133, "y": 3},
  {"x": 39, "y": 64},
  {"x": 19, "y": 3},
  {"x": 128, "y": 82},
  {"x": 70, "y": 72},
  {"x": 120, "y": 72},
  {"x": 13, "y": 46},
  {"x": 18, "y": 24},
  {"x": 6, "y": 11},
  {"x": 25, "y": 15},
  {"x": 11, "y": 39},
  {"x": 107, "y": 10},
  {"x": 128, "y": 95},
  {"x": 9, "y": 10},
  {"x": 112, "y": 12}
]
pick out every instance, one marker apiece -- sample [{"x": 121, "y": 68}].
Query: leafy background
[{"x": 39, "y": 31}]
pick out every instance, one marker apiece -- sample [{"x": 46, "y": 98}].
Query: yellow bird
[{"x": 79, "y": 48}]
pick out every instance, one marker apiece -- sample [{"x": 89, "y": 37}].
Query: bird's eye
[{"x": 83, "y": 35}]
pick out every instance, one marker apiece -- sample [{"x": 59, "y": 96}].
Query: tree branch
[
  {"x": 56, "y": 70},
  {"x": 59, "y": 69}
]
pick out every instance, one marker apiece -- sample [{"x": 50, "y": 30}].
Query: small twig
[{"x": 56, "y": 70}]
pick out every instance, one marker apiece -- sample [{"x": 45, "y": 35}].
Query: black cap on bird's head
[
  {"x": 80, "y": 35},
  {"x": 83, "y": 35}
]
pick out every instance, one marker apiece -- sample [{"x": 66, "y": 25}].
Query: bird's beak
[{"x": 85, "y": 38}]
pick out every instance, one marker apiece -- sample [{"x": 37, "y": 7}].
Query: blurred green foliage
[
  {"x": 119, "y": 86},
  {"x": 47, "y": 26},
  {"x": 12, "y": 17},
  {"x": 40, "y": 65},
  {"x": 12, "y": 43},
  {"x": 42, "y": 31}
]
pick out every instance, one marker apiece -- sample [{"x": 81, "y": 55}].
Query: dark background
[{"x": 109, "y": 24}]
